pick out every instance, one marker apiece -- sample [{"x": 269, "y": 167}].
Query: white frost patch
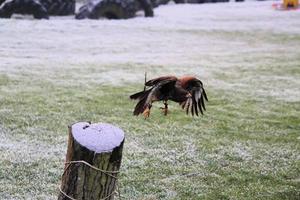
[
  {"x": 267, "y": 158},
  {"x": 99, "y": 137},
  {"x": 274, "y": 87},
  {"x": 229, "y": 16},
  {"x": 241, "y": 151},
  {"x": 25, "y": 150},
  {"x": 237, "y": 150}
]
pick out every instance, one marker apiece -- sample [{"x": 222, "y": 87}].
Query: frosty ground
[{"x": 246, "y": 146}]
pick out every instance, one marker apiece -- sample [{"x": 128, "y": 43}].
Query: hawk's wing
[
  {"x": 195, "y": 103},
  {"x": 161, "y": 79}
]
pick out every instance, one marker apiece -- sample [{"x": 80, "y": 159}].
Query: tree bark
[{"x": 92, "y": 146}]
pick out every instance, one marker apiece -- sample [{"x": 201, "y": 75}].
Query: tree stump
[{"x": 92, "y": 162}]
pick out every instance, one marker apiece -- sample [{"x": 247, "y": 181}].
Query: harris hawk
[{"x": 188, "y": 91}]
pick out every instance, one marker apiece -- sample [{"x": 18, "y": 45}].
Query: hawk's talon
[
  {"x": 146, "y": 113},
  {"x": 165, "y": 109}
]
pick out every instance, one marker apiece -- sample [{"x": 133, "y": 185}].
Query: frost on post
[{"x": 92, "y": 162}]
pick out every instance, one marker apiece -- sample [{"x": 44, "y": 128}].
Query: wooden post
[{"x": 92, "y": 162}]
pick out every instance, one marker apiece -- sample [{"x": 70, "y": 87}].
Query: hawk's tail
[{"x": 142, "y": 101}]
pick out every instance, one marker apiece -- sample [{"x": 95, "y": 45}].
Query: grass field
[{"x": 246, "y": 146}]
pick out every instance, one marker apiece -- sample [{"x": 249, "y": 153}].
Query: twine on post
[{"x": 109, "y": 173}]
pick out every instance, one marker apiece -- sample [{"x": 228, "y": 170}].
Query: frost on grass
[
  {"x": 25, "y": 149},
  {"x": 263, "y": 158}
]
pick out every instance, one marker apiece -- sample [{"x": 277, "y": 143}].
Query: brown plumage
[{"x": 188, "y": 91}]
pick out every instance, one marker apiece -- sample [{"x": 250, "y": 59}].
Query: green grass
[{"x": 242, "y": 148}]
